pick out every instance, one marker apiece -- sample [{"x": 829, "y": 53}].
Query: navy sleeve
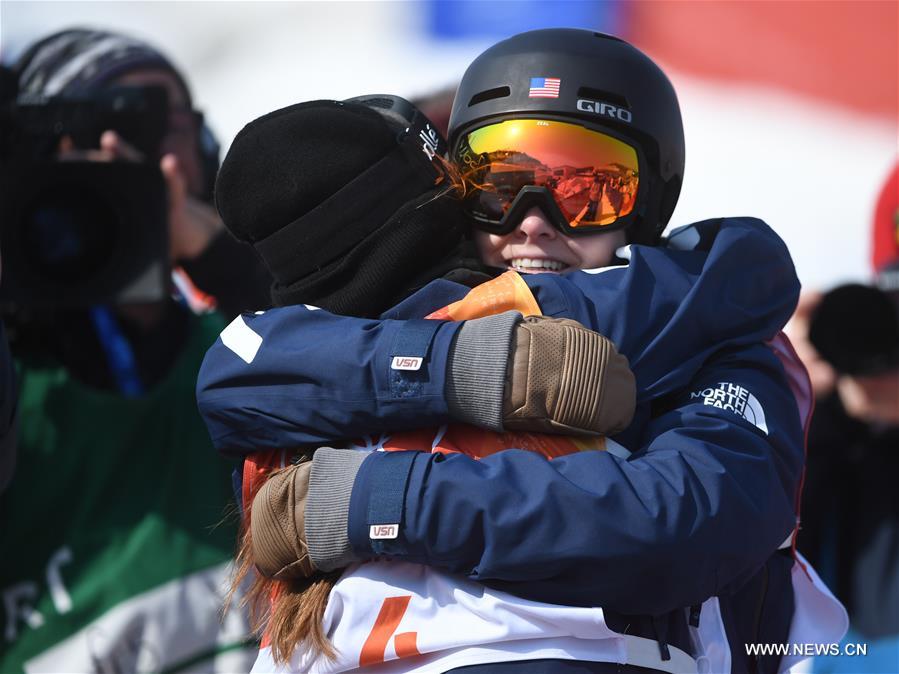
[
  {"x": 300, "y": 376},
  {"x": 669, "y": 310},
  {"x": 704, "y": 502},
  {"x": 732, "y": 286}
]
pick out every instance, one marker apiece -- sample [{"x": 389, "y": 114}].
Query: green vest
[{"x": 117, "y": 530}]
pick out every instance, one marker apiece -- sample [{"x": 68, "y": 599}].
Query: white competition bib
[{"x": 412, "y": 619}]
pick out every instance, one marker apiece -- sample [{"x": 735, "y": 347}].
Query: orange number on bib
[{"x": 392, "y": 611}]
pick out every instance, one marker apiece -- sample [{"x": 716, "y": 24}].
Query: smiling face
[{"x": 535, "y": 246}]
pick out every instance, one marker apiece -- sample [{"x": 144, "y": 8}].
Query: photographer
[
  {"x": 188, "y": 154},
  {"x": 109, "y": 563},
  {"x": 850, "y": 509}
]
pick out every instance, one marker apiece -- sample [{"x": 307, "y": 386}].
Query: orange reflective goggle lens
[{"x": 592, "y": 177}]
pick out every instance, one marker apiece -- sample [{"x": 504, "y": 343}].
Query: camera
[{"x": 79, "y": 233}]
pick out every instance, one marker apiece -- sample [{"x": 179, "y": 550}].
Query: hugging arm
[
  {"x": 298, "y": 376},
  {"x": 717, "y": 284},
  {"x": 538, "y": 374},
  {"x": 293, "y": 376},
  {"x": 702, "y": 504},
  {"x": 681, "y": 512}
]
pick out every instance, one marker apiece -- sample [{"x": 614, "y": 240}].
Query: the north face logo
[{"x": 735, "y": 398}]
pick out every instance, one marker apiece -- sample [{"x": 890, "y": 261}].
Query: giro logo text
[
  {"x": 380, "y": 532},
  {"x": 605, "y": 109},
  {"x": 405, "y": 363}
]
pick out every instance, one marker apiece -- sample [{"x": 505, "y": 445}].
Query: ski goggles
[{"x": 585, "y": 180}]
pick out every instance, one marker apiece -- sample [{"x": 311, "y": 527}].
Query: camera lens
[{"x": 68, "y": 233}]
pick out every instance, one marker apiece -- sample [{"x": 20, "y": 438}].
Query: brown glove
[
  {"x": 564, "y": 378},
  {"x": 278, "y": 524}
]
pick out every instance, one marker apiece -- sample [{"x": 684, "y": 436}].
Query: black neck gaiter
[{"x": 422, "y": 241}]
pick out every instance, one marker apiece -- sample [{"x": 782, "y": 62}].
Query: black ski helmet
[{"x": 605, "y": 83}]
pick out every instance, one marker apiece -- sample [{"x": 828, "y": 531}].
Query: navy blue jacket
[{"x": 699, "y": 507}]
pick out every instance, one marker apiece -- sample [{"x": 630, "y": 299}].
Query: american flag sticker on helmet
[{"x": 544, "y": 87}]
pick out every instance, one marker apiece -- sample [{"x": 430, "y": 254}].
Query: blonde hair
[{"x": 290, "y": 613}]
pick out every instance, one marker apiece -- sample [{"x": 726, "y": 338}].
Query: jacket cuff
[
  {"x": 328, "y": 506},
  {"x": 478, "y": 361},
  {"x": 377, "y": 517}
]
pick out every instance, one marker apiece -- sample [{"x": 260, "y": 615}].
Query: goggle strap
[{"x": 532, "y": 196}]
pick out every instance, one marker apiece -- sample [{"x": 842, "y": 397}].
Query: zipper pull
[
  {"x": 660, "y": 627},
  {"x": 694, "y": 615}
]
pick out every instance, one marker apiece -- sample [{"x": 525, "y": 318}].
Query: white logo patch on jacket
[{"x": 733, "y": 397}]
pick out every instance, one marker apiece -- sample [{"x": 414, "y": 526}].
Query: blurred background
[
  {"x": 790, "y": 108},
  {"x": 791, "y": 114}
]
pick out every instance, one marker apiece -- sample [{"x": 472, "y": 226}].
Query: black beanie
[
  {"x": 81, "y": 61},
  {"x": 855, "y": 328},
  {"x": 346, "y": 210}
]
